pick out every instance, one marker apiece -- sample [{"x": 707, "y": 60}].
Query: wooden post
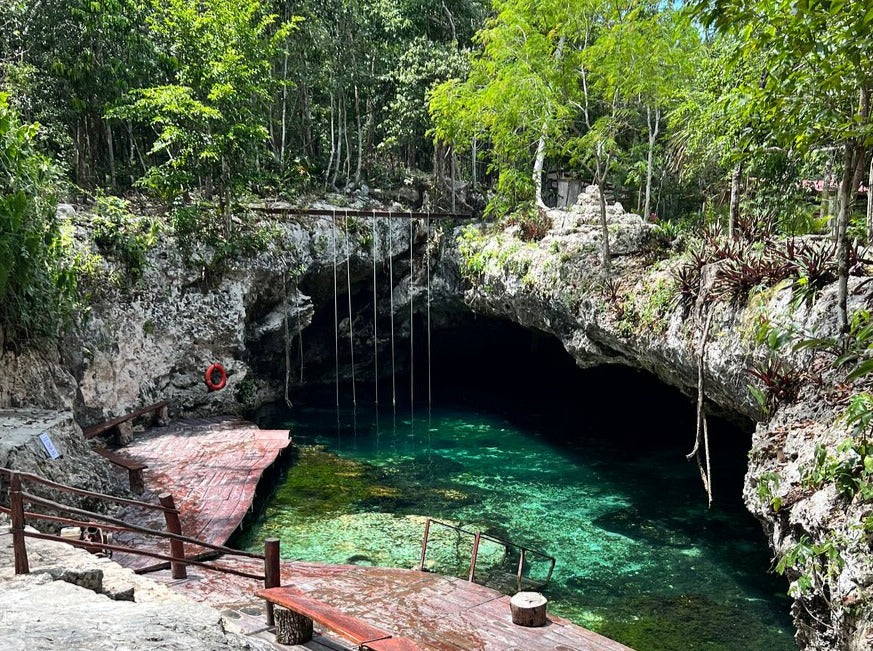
[
  {"x": 123, "y": 433},
  {"x": 17, "y": 506},
  {"x": 162, "y": 416},
  {"x": 136, "y": 480},
  {"x": 424, "y": 545},
  {"x": 272, "y": 574},
  {"x": 474, "y": 556},
  {"x": 177, "y": 547}
]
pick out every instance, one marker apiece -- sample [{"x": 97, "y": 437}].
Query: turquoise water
[{"x": 639, "y": 556}]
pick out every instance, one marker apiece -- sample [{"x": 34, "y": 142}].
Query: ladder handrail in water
[{"x": 477, "y": 536}]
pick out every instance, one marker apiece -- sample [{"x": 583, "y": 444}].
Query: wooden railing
[{"x": 176, "y": 557}]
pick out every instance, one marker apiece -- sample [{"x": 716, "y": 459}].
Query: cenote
[{"x": 588, "y": 466}]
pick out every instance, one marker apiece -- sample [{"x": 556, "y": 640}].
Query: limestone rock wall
[
  {"x": 21, "y": 449},
  {"x": 155, "y": 340}
]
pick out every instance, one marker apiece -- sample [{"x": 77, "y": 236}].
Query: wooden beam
[{"x": 345, "y": 212}]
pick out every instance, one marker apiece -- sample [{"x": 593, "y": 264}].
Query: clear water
[{"x": 639, "y": 556}]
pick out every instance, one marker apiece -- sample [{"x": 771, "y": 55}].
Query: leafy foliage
[
  {"x": 36, "y": 284},
  {"x": 120, "y": 234}
]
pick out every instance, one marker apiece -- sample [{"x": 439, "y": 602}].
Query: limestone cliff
[{"x": 155, "y": 339}]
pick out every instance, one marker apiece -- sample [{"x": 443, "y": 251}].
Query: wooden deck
[
  {"x": 211, "y": 467},
  {"x": 437, "y": 612}
]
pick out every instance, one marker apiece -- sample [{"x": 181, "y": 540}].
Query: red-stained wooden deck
[
  {"x": 211, "y": 467},
  {"x": 436, "y": 612}
]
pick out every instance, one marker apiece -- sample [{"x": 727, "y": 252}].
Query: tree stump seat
[
  {"x": 297, "y": 612},
  {"x": 528, "y": 609}
]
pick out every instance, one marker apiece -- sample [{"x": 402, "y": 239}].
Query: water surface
[{"x": 639, "y": 556}]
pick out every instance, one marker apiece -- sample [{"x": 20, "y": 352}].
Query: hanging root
[{"x": 702, "y": 433}]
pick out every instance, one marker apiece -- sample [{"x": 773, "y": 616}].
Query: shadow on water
[{"x": 588, "y": 465}]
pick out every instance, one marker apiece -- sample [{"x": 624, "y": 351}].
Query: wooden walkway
[
  {"x": 211, "y": 467},
  {"x": 437, "y": 612}
]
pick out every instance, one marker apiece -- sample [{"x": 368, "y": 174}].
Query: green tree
[
  {"x": 35, "y": 284},
  {"x": 210, "y": 121},
  {"x": 817, "y": 75},
  {"x": 73, "y": 60}
]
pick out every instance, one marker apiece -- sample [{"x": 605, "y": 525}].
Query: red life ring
[{"x": 211, "y": 384}]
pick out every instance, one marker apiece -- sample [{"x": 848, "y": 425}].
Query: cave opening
[{"x": 520, "y": 442}]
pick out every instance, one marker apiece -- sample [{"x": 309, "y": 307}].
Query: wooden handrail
[
  {"x": 477, "y": 536},
  {"x": 80, "y": 491},
  {"x": 142, "y": 552},
  {"x": 30, "y": 515},
  {"x": 270, "y": 557},
  {"x": 134, "y": 527}
]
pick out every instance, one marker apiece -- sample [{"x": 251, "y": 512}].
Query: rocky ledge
[{"x": 74, "y": 600}]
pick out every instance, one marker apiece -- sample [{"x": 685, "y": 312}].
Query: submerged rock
[{"x": 389, "y": 540}]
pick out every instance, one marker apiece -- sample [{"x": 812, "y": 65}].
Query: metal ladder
[{"x": 477, "y": 537}]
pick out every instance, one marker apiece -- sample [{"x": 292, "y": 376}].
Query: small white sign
[{"x": 50, "y": 448}]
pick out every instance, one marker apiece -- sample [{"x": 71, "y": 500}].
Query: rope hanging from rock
[
  {"x": 351, "y": 316},
  {"x": 375, "y": 314},
  {"x": 299, "y": 324},
  {"x": 335, "y": 310},
  {"x": 427, "y": 260},
  {"x": 411, "y": 349},
  {"x": 702, "y": 307},
  {"x": 287, "y": 339},
  {"x": 391, "y": 310}
]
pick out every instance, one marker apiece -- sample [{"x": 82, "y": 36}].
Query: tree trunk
[
  {"x": 80, "y": 159},
  {"x": 332, "y": 141},
  {"x": 110, "y": 148},
  {"x": 538, "y": 170},
  {"x": 842, "y": 240},
  {"x": 292, "y": 628},
  {"x": 283, "y": 128},
  {"x": 348, "y": 167},
  {"x": 870, "y": 204},
  {"x": 339, "y": 139},
  {"x": 360, "y": 138},
  {"x": 541, "y": 144},
  {"x": 734, "y": 212},
  {"x": 604, "y": 226},
  {"x": 474, "y": 152},
  {"x": 654, "y": 127}
]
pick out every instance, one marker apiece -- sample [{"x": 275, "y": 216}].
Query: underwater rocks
[{"x": 387, "y": 540}]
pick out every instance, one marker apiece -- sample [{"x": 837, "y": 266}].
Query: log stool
[
  {"x": 528, "y": 609},
  {"x": 291, "y": 627}
]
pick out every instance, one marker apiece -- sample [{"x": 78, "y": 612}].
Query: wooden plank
[
  {"x": 94, "y": 430},
  {"x": 392, "y": 644},
  {"x": 348, "y": 626},
  {"x": 119, "y": 460}
]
